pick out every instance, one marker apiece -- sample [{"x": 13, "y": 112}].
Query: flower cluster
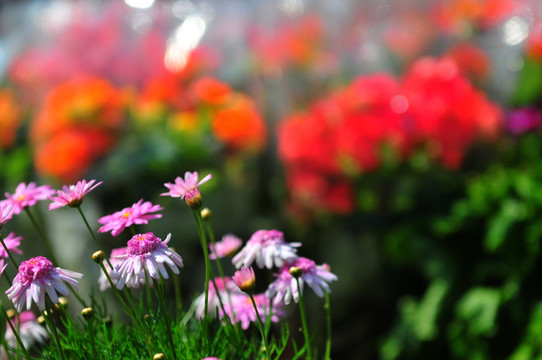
[
  {"x": 433, "y": 107},
  {"x": 266, "y": 249},
  {"x": 145, "y": 261},
  {"x": 232, "y": 117}
]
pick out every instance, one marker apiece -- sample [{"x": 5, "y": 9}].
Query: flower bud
[
  {"x": 296, "y": 272},
  {"x": 206, "y": 213},
  {"x": 245, "y": 279},
  {"x": 193, "y": 198},
  {"x": 98, "y": 257},
  {"x": 159, "y": 356},
  {"x": 11, "y": 313},
  {"x": 63, "y": 301},
  {"x": 87, "y": 313}
]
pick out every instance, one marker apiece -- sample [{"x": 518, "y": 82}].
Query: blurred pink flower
[
  {"x": 72, "y": 195},
  {"x": 138, "y": 213},
  {"x": 225, "y": 247},
  {"x": 244, "y": 312},
  {"x": 114, "y": 260},
  {"x": 27, "y": 195},
  {"x": 36, "y": 277},
  {"x": 317, "y": 277},
  {"x": 30, "y": 331},
  {"x": 523, "y": 120},
  {"x": 266, "y": 248},
  {"x": 224, "y": 286},
  {"x": 12, "y": 243},
  {"x": 146, "y": 253}
]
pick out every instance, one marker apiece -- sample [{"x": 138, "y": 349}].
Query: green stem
[
  {"x": 304, "y": 321},
  {"x": 92, "y": 341},
  {"x": 100, "y": 247},
  {"x": 42, "y": 235},
  {"x": 203, "y": 239},
  {"x": 160, "y": 293},
  {"x": 148, "y": 289},
  {"x": 260, "y": 326},
  {"x": 130, "y": 311},
  {"x": 178, "y": 299},
  {"x": 327, "y": 308},
  {"x": 7, "y": 349},
  {"x": 218, "y": 263},
  {"x": 9, "y": 253},
  {"x": 15, "y": 332},
  {"x": 52, "y": 328}
]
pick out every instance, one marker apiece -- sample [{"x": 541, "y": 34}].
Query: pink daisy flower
[
  {"x": 72, "y": 195},
  {"x": 267, "y": 248},
  {"x": 245, "y": 314},
  {"x": 317, "y": 277},
  {"x": 12, "y": 243},
  {"x": 145, "y": 253},
  {"x": 114, "y": 260},
  {"x": 139, "y": 213},
  {"x": 187, "y": 189},
  {"x": 210, "y": 358},
  {"x": 30, "y": 331},
  {"x": 27, "y": 195},
  {"x": 6, "y": 212},
  {"x": 36, "y": 277},
  {"x": 225, "y": 247}
]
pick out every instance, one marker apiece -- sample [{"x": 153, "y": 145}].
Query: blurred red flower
[{"x": 445, "y": 110}]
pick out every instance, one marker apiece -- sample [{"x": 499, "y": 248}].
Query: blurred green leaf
[
  {"x": 478, "y": 308},
  {"x": 531, "y": 344},
  {"x": 529, "y": 84},
  {"x": 511, "y": 212}
]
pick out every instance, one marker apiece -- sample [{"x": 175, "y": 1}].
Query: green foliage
[{"x": 480, "y": 263}]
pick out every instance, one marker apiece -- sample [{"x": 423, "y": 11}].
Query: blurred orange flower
[
  {"x": 10, "y": 118},
  {"x": 66, "y": 156},
  {"x": 239, "y": 125},
  {"x": 460, "y": 16},
  {"x": 76, "y": 124}
]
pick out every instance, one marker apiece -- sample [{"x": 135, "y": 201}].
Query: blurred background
[{"x": 398, "y": 140}]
